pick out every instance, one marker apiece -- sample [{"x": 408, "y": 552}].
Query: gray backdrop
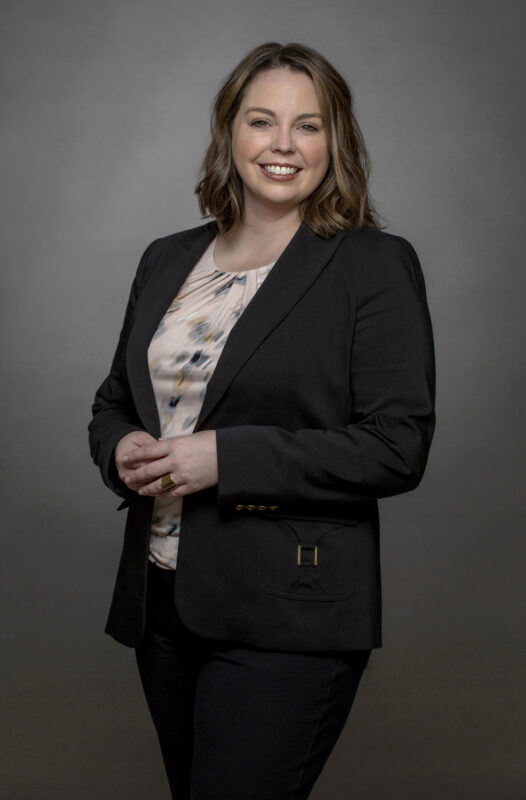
[{"x": 106, "y": 108}]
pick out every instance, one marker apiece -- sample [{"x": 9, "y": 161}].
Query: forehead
[{"x": 281, "y": 85}]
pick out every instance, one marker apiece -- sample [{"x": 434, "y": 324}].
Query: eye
[{"x": 261, "y": 123}]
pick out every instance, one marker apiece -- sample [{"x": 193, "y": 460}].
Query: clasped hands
[{"x": 191, "y": 461}]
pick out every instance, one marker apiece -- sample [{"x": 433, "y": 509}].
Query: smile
[
  {"x": 279, "y": 174},
  {"x": 274, "y": 169}
]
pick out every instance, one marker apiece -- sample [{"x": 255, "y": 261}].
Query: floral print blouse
[{"x": 182, "y": 356}]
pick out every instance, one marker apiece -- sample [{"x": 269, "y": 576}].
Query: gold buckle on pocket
[{"x": 311, "y": 563}]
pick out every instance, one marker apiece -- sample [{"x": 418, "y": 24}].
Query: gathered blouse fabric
[{"x": 182, "y": 356}]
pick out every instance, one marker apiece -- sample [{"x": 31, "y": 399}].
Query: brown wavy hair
[{"x": 341, "y": 201}]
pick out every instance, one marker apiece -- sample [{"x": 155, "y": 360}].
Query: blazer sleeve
[
  {"x": 113, "y": 411},
  {"x": 384, "y": 449}
]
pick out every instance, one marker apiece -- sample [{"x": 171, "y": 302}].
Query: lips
[
  {"x": 278, "y": 164},
  {"x": 279, "y": 176}
]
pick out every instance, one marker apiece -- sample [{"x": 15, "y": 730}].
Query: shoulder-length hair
[{"x": 341, "y": 201}]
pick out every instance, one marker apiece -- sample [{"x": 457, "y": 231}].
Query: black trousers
[{"x": 237, "y": 722}]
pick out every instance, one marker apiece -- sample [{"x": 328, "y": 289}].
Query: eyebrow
[{"x": 272, "y": 114}]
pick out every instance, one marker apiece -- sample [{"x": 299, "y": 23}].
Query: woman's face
[{"x": 279, "y": 123}]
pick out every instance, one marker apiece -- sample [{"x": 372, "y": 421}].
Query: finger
[
  {"x": 126, "y": 474},
  {"x": 132, "y": 484},
  {"x": 138, "y": 456},
  {"x": 156, "y": 488},
  {"x": 131, "y": 479},
  {"x": 125, "y": 465},
  {"x": 153, "y": 470},
  {"x": 181, "y": 490},
  {"x": 146, "y": 453},
  {"x": 124, "y": 470}
]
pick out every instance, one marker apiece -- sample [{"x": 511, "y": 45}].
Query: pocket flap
[{"x": 308, "y": 516}]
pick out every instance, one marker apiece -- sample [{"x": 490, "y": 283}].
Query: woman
[{"x": 274, "y": 377}]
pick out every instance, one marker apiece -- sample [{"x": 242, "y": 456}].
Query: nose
[{"x": 283, "y": 139}]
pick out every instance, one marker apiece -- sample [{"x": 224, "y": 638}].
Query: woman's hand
[
  {"x": 190, "y": 460},
  {"x": 129, "y": 444}
]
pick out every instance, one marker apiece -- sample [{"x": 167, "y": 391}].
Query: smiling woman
[
  {"x": 280, "y": 158},
  {"x": 273, "y": 379},
  {"x": 315, "y": 102}
]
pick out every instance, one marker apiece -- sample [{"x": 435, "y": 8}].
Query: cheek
[
  {"x": 241, "y": 148},
  {"x": 237, "y": 142},
  {"x": 319, "y": 152},
  {"x": 321, "y": 156},
  {"x": 319, "y": 161}
]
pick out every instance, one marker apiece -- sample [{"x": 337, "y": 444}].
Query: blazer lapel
[
  {"x": 161, "y": 288},
  {"x": 295, "y": 270}
]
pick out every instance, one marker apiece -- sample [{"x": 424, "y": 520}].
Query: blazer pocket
[{"x": 307, "y": 559}]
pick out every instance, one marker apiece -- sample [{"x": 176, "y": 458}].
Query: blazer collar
[{"x": 295, "y": 270}]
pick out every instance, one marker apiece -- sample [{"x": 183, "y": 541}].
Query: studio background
[{"x": 105, "y": 120}]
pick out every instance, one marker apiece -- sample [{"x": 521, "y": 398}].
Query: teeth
[{"x": 280, "y": 170}]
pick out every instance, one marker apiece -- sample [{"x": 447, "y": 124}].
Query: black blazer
[{"x": 323, "y": 401}]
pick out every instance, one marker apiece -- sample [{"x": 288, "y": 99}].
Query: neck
[
  {"x": 259, "y": 239},
  {"x": 264, "y": 224}
]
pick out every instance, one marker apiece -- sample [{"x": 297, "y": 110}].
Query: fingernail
[{"x": 125, "y": 458}]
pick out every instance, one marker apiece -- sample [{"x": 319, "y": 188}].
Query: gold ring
[{"x": 167, "y": 482}]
